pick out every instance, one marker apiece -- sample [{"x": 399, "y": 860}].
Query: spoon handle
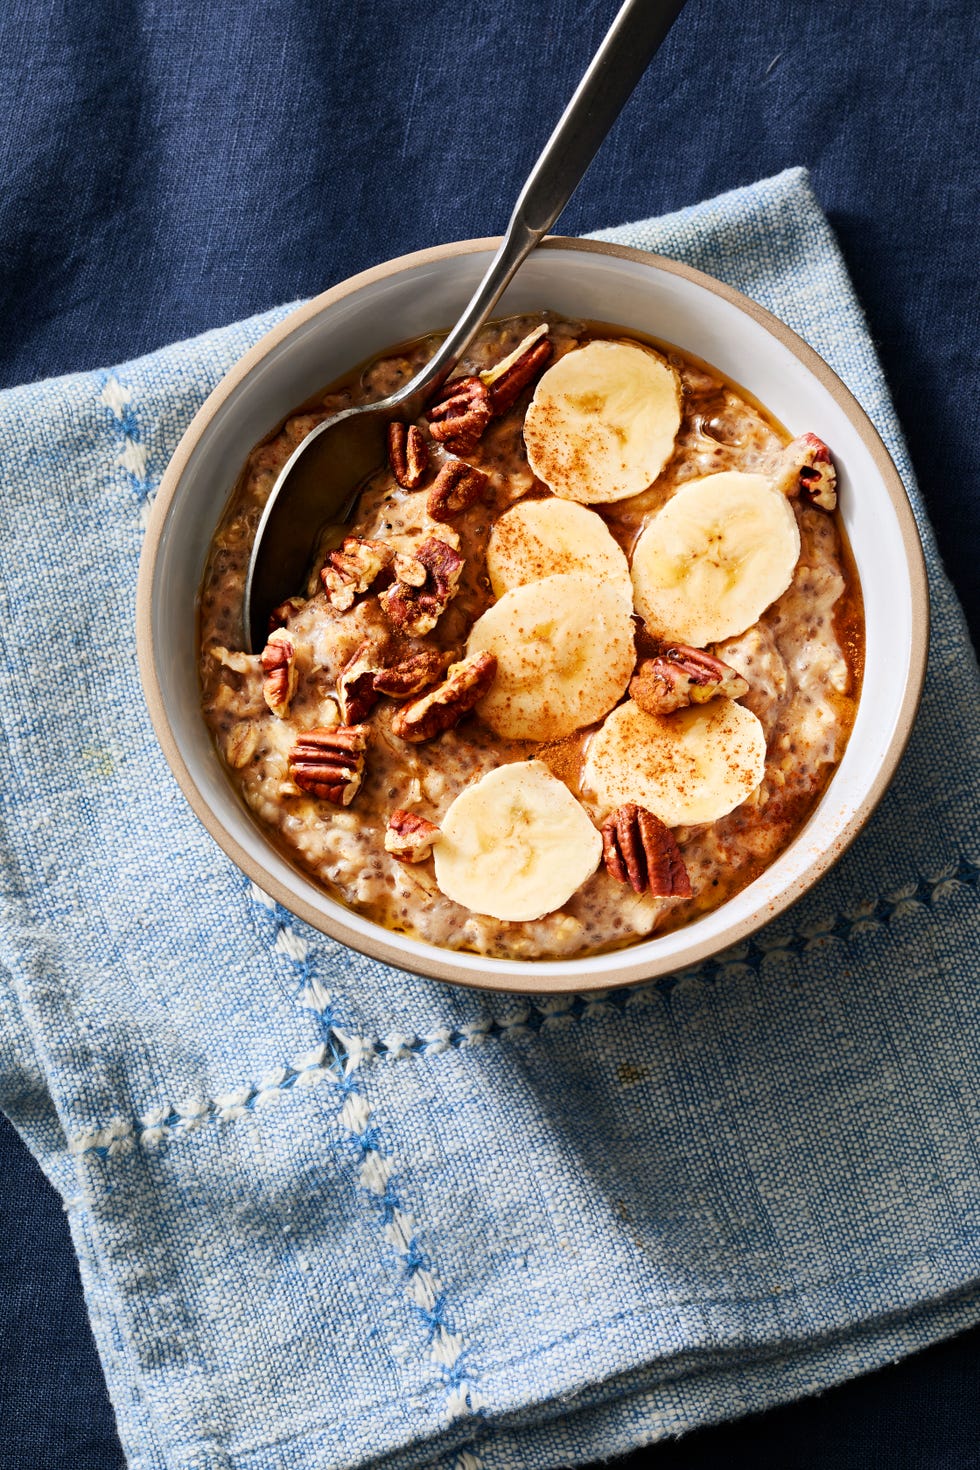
[{"x": 625, "y": 52}]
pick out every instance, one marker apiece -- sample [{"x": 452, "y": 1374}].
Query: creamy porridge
[{"x": 579, "y": 668}]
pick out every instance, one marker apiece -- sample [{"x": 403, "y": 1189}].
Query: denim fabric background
[{"x": 167, "y": 168}]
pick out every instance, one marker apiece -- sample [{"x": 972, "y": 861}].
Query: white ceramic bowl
[{"x": 424, "y": 292}]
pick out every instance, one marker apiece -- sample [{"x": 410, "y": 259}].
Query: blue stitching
[
  {"x": 127, "y": 432},
  {"x": 126, "y": 1133},
  {"x": 751, "y": 955},
  {"x": 459, "y": 1376}
]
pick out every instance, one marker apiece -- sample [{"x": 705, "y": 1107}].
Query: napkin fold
[{"x": 331, "y": 1214}]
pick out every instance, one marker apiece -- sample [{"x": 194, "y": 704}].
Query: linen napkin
[{"x": 332, "y": 1214}]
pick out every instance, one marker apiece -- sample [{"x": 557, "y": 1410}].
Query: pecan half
[
  {"x": 329, "y": 764},
  {"x": 444, "y": 706},
  {"x": 679, "y": 676},
  {"x": 412, "y": 675},
  {"x": 638, "y": 849},
  {"x": 409, "y": 837},
  {"x": 457, "y": 486},
  {"x": 460, "y": 415},
  {"x": 415, "y": 606},
  {"x": 280, "y": 672},
  {"x": 806, "y": 467},
  {"x": 279, "y": 616},
  {"x": 353, "y": 568},
  {"x": 356, "y": 692},
  {"x": 508, "y": 380},
  {"x": 408, "y": 453}
]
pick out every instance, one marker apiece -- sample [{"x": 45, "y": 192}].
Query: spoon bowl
[{"x": 318, "y": 485}]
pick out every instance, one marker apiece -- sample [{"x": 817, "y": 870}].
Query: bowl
[{"x": 425, "y": 292}]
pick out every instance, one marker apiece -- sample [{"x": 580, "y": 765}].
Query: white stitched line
[
  {"x": 358, "y": 1049},
  {"x": 476, "y": 1031},
  {"x": 422, "y": 1285},
  {"x": 192, "y": 1112},
  {"x": 117, "y": 397},
  {"x": 314, "y": 996},
  {"x": 356, "y": 1113},
  {"x": 446, "y": 1347},
  {"x": 564, "y": 1010},
  {"x": 293, "y": 945},
  {"x": 397, "y": 1045},
  {"x": 117, "y": 1137},
  {"x": 423, "y": 1288},
  {"x": 376, "y": 1171},
  {"x": 463, "y": 1400},
  {"x": 161, "y": 1123},
  {"x": 133, "y": 458},
  {"x": 398, "y": 1231},
  {"x": 232, "y": 1105}
]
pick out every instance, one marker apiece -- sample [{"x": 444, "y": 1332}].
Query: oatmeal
[{"x": 577, "y": 671}]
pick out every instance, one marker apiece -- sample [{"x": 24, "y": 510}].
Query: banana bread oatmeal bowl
[{"x": 617, "y": 652}]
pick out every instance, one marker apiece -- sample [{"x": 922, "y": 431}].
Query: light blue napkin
[{"x": 329, "y": 1214}]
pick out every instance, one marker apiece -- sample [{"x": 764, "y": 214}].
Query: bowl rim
[{"x": 526, "y": 976}]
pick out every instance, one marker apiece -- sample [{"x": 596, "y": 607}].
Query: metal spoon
[{"x": 320, "y": 481}]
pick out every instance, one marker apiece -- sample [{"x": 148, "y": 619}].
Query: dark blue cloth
[{"x": 168, "y": 167}]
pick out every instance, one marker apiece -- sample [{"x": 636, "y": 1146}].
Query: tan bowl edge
[{"x": 388, "y": 950}]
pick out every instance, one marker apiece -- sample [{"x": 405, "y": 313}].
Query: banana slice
[
  {"x": 516, "y": 844},
  {"x": 714, "y": 558},
  {"x": 693, "y": 766},
  {"x": 602, "y": 422},
  {"x": 564, "y": 650},
  {"x": 544, "y": 538}
]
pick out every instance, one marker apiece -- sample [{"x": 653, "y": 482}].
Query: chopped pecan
[
  {"x": 240, "y": 743},
  {"x": 679, "y": 676},
  {"x": 806, "y": 466},
  {"x": 638, "y": 849},
  {"x": 355, "y": 684},
  {"x": 409, "y": 837},
  {"x": 410, "y": 570},
  {"x": 328, "y": 763},
  {"x": 353, "y": 568},
  {"x": 280, "y": 672},
  {"x": 413, "y": 607},
  {"x": 412, "y": 675},
  {"x": 457, "y": 486},
  {"x": 507, "y": 381},
  {"x": 443, "y": 707},
  {"x": 279, "y": 616},
  {"x": 230, "y": 658},
  {"x": 460, "y": 415},
  {"x": 408, "y": 453}
]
